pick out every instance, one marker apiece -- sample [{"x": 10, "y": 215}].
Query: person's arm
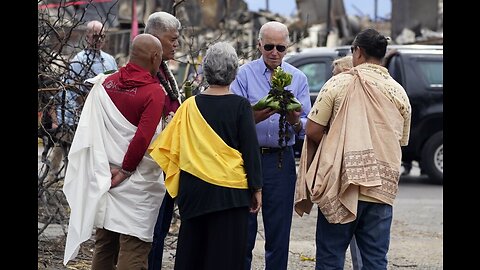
[
  {"x": 256, "y": 203},
  {"x": 250, "y": 150},
  {"x": 118, "y": 176},
  {"x": 75, "y": 69},
  {"x": 298, "y": 119},
  {"x": 141, "y": 140},
  {"x": 146, "y": 129},
  {"x": 406, "y": 112},
  {"x": 295, "y": 120},
  {"x": 261, "y": 115},
  {"x": 240, "y": 87},
  {"x": 319, "y": 116},
  {"x": 112, "y": 64},
  {"x": 314, "y": 131}
]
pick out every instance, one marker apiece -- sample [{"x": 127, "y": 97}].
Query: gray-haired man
[{"x": 166, "y": 28}]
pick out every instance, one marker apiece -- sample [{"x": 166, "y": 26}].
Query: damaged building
[{"x": 316, "y": 23}]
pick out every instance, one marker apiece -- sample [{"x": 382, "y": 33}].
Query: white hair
[
  {"x": 161, "y": 22},
  {"x": 220, "y": 64},
  {"x": 94, "y": 26},
  {"x": 275, "y": 26}
]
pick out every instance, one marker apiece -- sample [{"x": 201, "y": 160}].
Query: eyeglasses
[
  {"x": 269, "y": 47},
  {"x": 98, "y": 36}
]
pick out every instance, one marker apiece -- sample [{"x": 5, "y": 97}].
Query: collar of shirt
[{"x": 267, "y": 72}]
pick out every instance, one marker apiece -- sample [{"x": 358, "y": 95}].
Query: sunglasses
[
  {"x": 352, "y": 48},
  {"x": 269, "y": 47}
]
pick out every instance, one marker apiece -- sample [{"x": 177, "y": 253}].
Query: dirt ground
[
  {"x": 416, "y": 236},
  {"x": 409, "y": 249}
]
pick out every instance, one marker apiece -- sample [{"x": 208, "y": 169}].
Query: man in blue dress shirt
[
  {"x": 253, "y": 81},
  {"x": 86, "y": 64}
]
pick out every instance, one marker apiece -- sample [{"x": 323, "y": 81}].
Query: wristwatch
[{"x": 299, "y": 123}]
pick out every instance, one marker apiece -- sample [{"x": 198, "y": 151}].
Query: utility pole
[
  {"x": 266, "y": 4},
  {"x": 134, "y": 21},
  {"x": 375, "y": 10},
  {"x": 329, "y": 7}
]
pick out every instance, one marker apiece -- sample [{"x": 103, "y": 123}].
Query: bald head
[
  {"x": 146, "y": 52},
  {"x": 95, "y": 35}
]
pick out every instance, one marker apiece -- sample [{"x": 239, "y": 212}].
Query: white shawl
[{"x": 100, "y": 142}]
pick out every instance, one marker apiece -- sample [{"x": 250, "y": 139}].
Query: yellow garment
[{"x": 188, "y": 143}]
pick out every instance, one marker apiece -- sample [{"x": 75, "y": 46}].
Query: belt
[{"x": 269, "y": 150}]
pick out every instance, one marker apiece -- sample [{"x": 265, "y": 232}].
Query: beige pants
[
  {"x": 56, "y": 160},
  {"x": 115, "y": 251}
]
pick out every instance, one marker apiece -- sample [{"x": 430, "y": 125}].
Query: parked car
[
  {"x": 316, "y": 63},
  {"x": 419, "y": 69}
]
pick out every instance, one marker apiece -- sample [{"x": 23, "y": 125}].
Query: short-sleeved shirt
[{"x": 333, "y": 92}]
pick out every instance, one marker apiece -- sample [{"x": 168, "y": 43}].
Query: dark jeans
[
  {"x": 277, "y": 208},
  {"x": 356, "y": 255},
  {"x": 162, "y": 226},
  {"x": 372, "y": 233}
]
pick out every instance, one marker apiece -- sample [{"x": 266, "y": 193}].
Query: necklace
[{"x": 172, "y": 93}]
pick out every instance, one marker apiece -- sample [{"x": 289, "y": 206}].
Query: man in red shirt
[
  {"x": 111, "y": 182},
  {"x": 137, "y": 95}
]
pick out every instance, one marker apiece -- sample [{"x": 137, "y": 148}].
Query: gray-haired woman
[{"x": 211, "y": 156}]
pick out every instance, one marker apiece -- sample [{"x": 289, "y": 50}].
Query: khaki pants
[
  {"x": 115, "y": 251},
  {"x": 56, "y": 159}
]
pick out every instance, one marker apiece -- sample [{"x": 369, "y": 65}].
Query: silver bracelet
[{"x": 127, "y": 173}]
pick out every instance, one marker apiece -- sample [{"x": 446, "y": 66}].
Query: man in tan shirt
[{"x": 350, "y": 164}]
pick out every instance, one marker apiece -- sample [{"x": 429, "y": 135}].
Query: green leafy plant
[
  {"x": 281, "y": 100},
  {"x": 278, "y": 95}
]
